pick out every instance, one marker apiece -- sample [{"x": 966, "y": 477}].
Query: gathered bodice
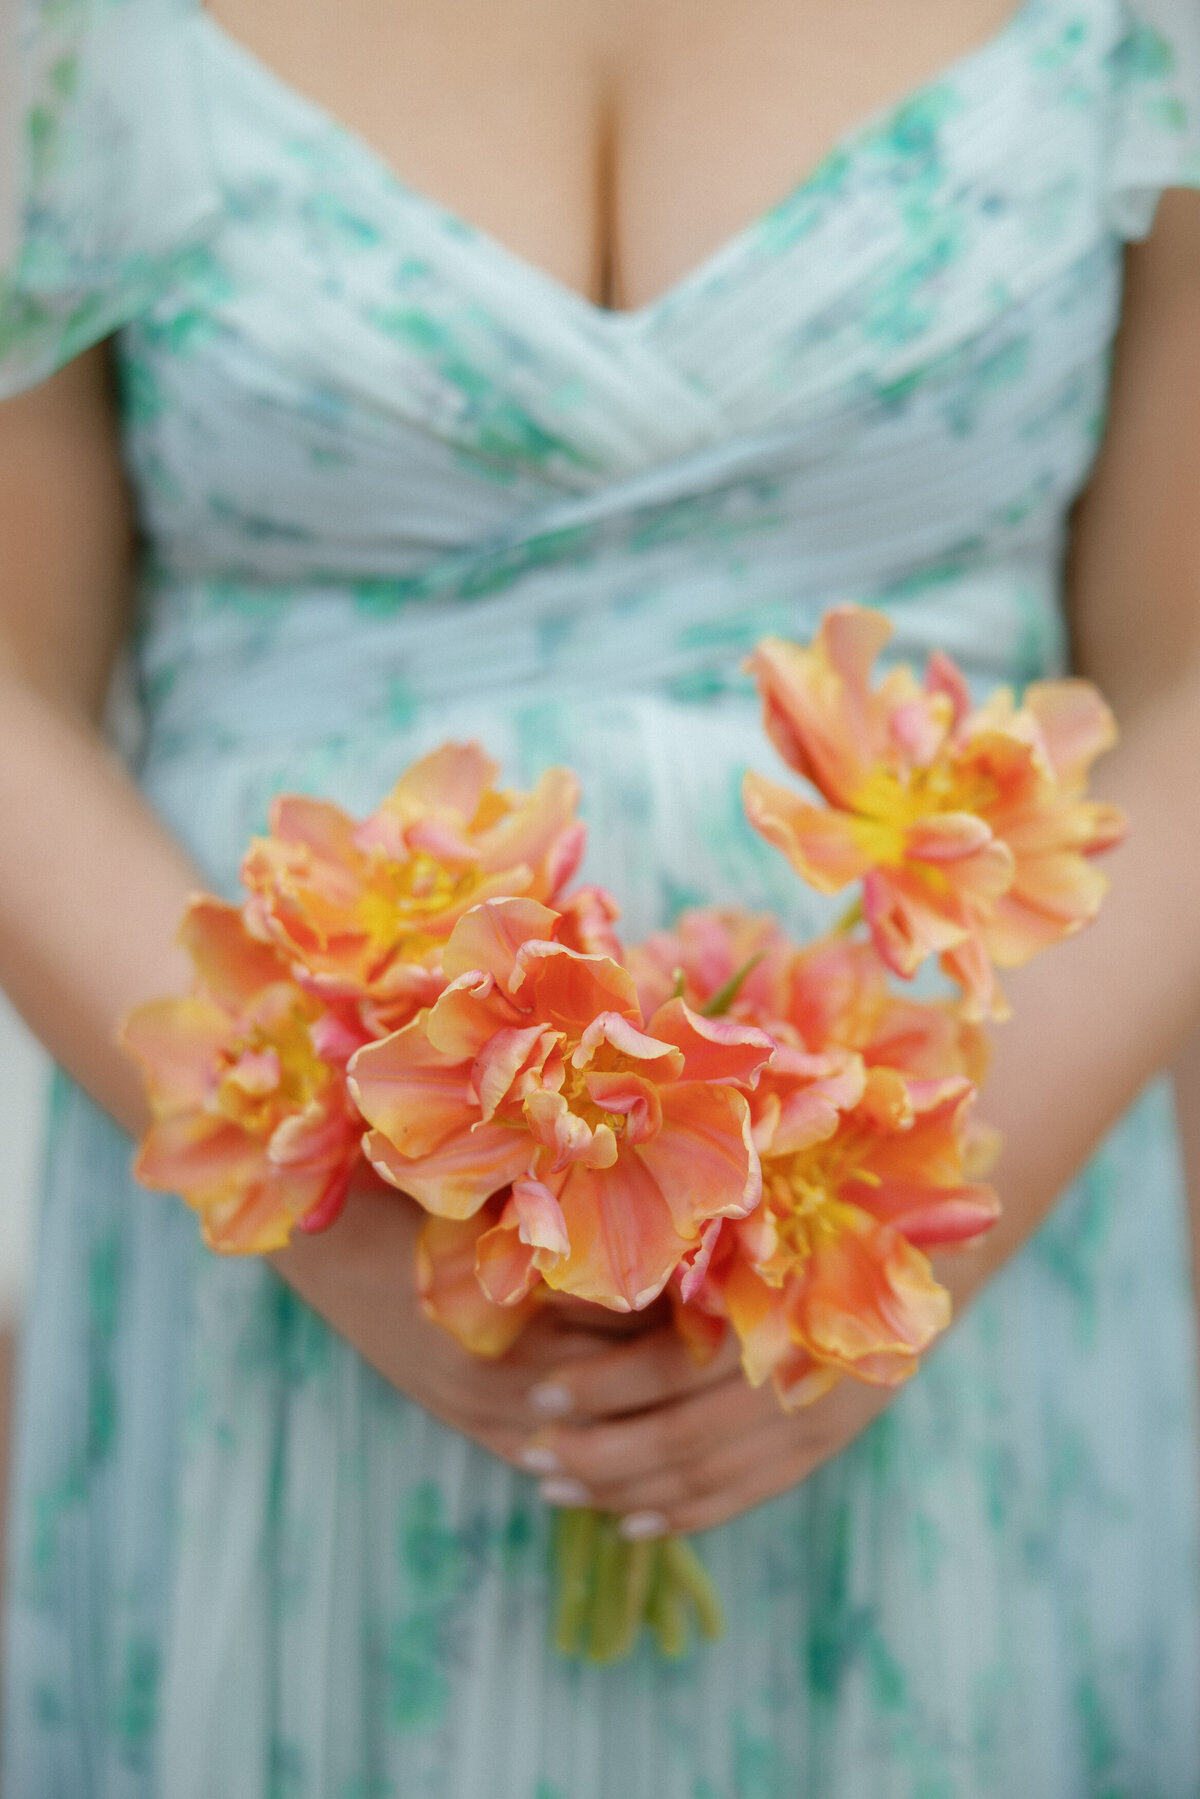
[{"x": 348, "y": 405}]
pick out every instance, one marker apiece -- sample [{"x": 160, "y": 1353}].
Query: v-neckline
[{"x": 702, "y": 273}]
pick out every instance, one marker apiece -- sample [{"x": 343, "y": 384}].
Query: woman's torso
[{"x": 354, "y": 418}]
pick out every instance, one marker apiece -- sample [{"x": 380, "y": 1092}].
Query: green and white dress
[{"x": 397, "y": 485}]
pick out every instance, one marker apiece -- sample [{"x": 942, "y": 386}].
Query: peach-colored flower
[
  {"x": 834, "y": 992},
  {"x": 968, "y": 827},
  {"x": 250, "y": 1125},
  {"x": 617, "y": 1138},
  {"x": 829, "y": 1276},
  {"x": 706, "y": 950},
  {"x": 361, "y": 910},
  {"x": 862, "y": 1122}
]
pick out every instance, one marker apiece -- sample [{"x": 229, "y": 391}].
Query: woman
[{"x": 382, "y": 478}]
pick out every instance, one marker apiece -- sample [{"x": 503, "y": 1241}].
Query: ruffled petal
[
  {"x": 413, "y": 1094},
  {"x": 624, "y": 1244},
  {"x": 454, "y": 1180},
  {"x": 176, "y": 1042},
  {"x": 200, "y": 1156},
  {"x": 489, "y": 936},
  {"x": 866, "y": 1301},
  {"x": 232, "y": 965},
  {"x": 713, "y": 1049},
  {"x": 704, "y": 1159},
  {"x": 1076, "y": 726},
  {"x": 824, "y": 847}
]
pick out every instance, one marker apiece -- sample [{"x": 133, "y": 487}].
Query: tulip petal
[
  {"x": 489, "y": 937},
  {"x": 657, "y": 1060},
  {"x": 231, "y": 964},
  {"x": 624, "y": 1244},
  {"x": 1076, "y": 725},
  {"x": 414, "y": 1095},
  {"x": 694, "y": 1266},
  {"x": 565, "y": 989},
  {"x": 713, "y": 1049},
  {"x": 198, "y": 1155},
  {"x": 756, "y": 1312},
  {"x": 817, "y": 706},
  {"x": 542, "y": 1224},
  {"x": 704, "y": 1159},
  {"x": 260, "y": 1215},
  {"x": 947, "y": 836},
  {"x": 451, "y": 780},
  {"x": 504, "y": 1058},
  {"x": 176, "y": 1042},
  {"x": 506, "y": 1269},
  {"x": 455, "y": 1179},
  {"x": 825, "y": 848},
  {"x": 542, "y": 832},
  {"x": 867, "y": 1301},
  {"x": 567, "y": 1136}
]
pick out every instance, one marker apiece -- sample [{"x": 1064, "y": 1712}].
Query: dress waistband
[{"x": 221, "y": 666}]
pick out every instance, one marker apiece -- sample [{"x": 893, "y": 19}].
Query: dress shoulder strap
[{"x": 1156, "y": 70}]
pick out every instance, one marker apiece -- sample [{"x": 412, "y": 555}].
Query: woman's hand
[
  {"x": 610, "y": 1410},
  {"x": 670, "y": 1446},
  {"x": 674, "y": 1447},
  {"x": 637, "y": 1427},
  {"x": 359, "y": 1276}
]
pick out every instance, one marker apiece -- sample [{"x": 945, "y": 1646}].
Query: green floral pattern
[{"x": 396, "y": 485}]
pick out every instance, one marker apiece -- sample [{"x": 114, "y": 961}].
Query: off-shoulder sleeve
[
  {"x": 1156, "y": 71},
  {"x": 107, "y": 177}
]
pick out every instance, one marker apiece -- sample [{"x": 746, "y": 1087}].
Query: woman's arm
[
  {"x": 1094, "y": 1019},
  {"x": 92, "y": 886}
]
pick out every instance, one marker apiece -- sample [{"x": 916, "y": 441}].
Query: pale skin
[{"x": 615, "y": 146}]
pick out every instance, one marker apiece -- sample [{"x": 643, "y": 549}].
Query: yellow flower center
[
  {"x": 269, "y": 1071},
  {"x": 888, "y": 804},
  {"x": 799, "y": 1188}
]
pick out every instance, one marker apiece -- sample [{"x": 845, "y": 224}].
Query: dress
[{"x": 398, "y": 486}]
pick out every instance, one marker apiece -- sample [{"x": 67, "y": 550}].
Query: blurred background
[{"x": 24, "y": 1073}]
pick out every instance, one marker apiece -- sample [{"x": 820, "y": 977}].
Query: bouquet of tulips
[{"x": 768, "y": 1134}]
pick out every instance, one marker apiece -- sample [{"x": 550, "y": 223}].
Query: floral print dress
[{"x": 396, "y": 485}]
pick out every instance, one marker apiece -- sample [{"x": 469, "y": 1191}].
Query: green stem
[
  {"x": 575, "y": 1540},
  {"x": 851, "y": 918},
  {"x": 665, "y": 1610},
  {"x": 724, "y": 997},
  {"x": 692, "y": 1577},
  {"x": 641, "y": 1561},
  {"x": 608, "y": 1596}
]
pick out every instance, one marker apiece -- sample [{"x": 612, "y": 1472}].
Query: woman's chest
[{"x": 612, "y": 144}]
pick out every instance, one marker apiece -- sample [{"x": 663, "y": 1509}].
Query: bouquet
[{"x": 767, "y": 1136}]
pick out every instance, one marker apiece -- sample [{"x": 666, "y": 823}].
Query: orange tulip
[
  {"x": 250, "y": 1125},
  {"x": 862, "y": 1123},
  {"x": 362, "y": 910},
  {"x": 615, "y": 1139},
  {"x": 967, "y": 827}
]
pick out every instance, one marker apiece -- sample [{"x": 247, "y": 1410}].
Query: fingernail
[
  {"x": 564, "y": 1491},
  {"x": 636, "y": 1526},
  {"x": 551, "y": 1399},
  {"x": 537, "y": 1458}
]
